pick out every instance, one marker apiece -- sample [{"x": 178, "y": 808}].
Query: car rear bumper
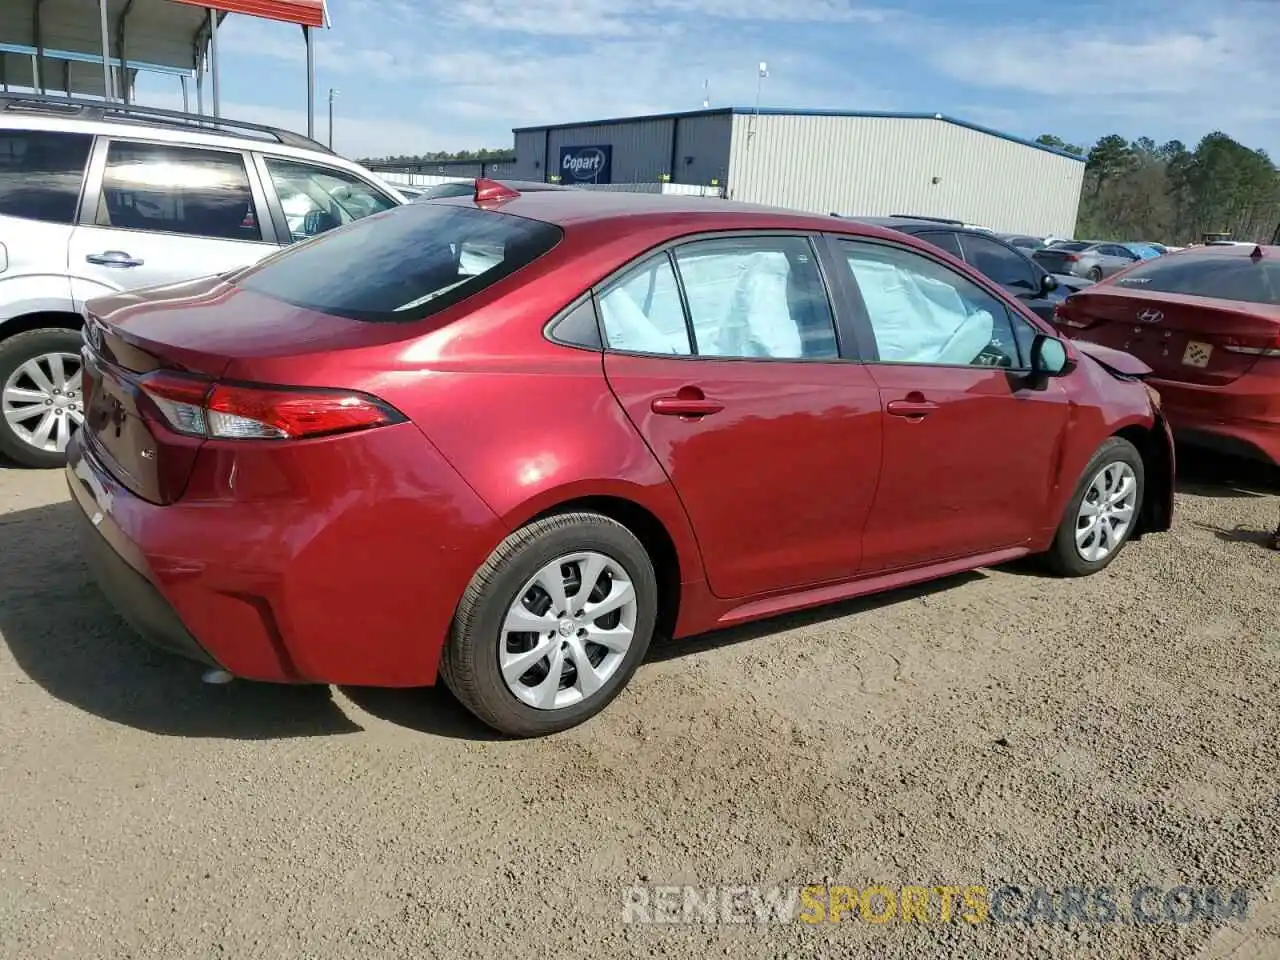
[
  {"x": 132, "y": 595},
  {"x": 340, "y": 561},
  {"x": 1242, "y": 418}
]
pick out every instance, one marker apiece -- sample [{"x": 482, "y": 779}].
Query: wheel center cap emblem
[{"x": 566, "y": 627}]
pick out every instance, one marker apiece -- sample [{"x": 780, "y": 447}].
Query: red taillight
[
  {"x": 1064, "y": 314},
  {"x": 1263, "y": 346},
  {"x": 1071, "y": 257},
  {"x": 232, "y": 411}
]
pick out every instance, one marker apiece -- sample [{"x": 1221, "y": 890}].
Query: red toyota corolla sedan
[
  {"x": 1207, "y": 321},
  {"x": 505, "y": 439}
]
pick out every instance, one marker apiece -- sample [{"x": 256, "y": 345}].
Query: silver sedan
[{"x": 1085, "y": 258}]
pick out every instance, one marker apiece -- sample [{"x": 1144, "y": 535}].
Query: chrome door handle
[{"x": 113, "y": 258}]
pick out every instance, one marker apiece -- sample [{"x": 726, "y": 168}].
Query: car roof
[
  {"x": 44, "y": 116},
  {"x": 571, "y": 208},
  {"x": 913, "y": 226}
]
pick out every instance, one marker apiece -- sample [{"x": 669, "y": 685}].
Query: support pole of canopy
[
  {"x": 108, "y": 87},
  {"x": 213, "y": 59},
  {"x": 37, "y": 30},
  {"x": 186, "y": 100},
  {"x": 311, "y": 83}
]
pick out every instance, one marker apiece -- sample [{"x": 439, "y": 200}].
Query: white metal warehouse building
[{"x": 861, "y": 164}]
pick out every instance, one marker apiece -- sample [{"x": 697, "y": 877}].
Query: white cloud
[{"x": 1183, "y": 73}]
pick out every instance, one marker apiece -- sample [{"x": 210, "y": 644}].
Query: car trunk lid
[
  {"x": 1182, "y": 338},
  {"x": 194, "y": 330},
  {"x": 1055, "y": 260}
]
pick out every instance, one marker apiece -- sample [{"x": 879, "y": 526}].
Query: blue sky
[{"x": 416, "y": 76}]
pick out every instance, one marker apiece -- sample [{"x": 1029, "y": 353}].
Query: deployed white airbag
[{"x": 917, "y": 319}]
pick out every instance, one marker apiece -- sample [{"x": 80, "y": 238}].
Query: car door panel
[
  {"x": 968, "y": 477},
  {"x": 775, "y": 460},
  {"x": 968, "y": 447},
  {"x": 779, "y": 480}
]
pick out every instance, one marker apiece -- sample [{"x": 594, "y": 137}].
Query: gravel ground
[{"x": 997, "y": 728}]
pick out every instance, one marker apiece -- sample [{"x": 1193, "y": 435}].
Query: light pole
[{"x": 332, "y": 93}]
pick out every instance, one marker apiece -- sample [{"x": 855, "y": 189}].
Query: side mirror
[
  {"x": 1048, "y": 284},
  {"x": 1049, "y": 356}
]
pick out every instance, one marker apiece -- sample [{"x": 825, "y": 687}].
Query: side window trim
[
  {"x": 831, "y": 281},
  {"x": 279, "y": 222},
  {"x": 553, "y": 330},
  {"x": 92, "y": 192},
  {"x": 94, "y": 179},
  {"x": 863, "y": 329}
]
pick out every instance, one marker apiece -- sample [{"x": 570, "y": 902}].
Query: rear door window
[
  {"x": 760, "y": 297},
  {"x": 945, "y": 240},
  {"x": 995, "y": 260},
  {"x": 404, "y": 264},
  {"x": 41, "y": 172},
  {"x": 185, "y": 190},
  {"x": 641, "y": 310}
]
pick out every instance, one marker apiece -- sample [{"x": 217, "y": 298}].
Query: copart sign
[{"x": 586, "y": 164}]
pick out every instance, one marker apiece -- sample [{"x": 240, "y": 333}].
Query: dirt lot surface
[{"x": 999, "y": 729}]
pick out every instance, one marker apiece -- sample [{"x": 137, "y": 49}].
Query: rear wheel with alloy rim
[
  {"x": 1103, "y": 512},
  {"x": 553, "y": 625},
  {"x": 41, "y": 395}
]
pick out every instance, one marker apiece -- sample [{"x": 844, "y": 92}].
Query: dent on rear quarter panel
[{"x": 347, "y": 538}]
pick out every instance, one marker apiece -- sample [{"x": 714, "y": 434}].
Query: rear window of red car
[
  {"x": 1210, "y": 275},
  {"x": 403, "y": 265}
]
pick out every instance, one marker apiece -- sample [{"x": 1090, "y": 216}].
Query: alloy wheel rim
[
  {"x": 43, "y": 402},
  {"x": 1106, "y": 511},
  {"x": 568, "y": 631}
]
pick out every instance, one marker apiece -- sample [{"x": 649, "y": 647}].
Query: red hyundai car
[
  {"x": 504, "y": 439},
  {"x": 1207, "y": 321}
]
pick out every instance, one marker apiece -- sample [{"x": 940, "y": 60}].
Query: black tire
[
  {"x": 469, "y": 665},
  {"x": 1063, "y": 556},
  {"x": 14, "y": 352},
  {"x": 1095, "y": 274}
]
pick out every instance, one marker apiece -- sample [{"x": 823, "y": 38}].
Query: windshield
[
  {"x": 402, "y": 265},
  {"x": 1216, "y": 276},
  {"x": 1072, "y": 245}
]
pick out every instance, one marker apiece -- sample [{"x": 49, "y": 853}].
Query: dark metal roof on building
[{"x": 782, "y": 112}]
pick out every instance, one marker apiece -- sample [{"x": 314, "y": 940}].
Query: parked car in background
[
  {"x": 1207, "y": 321},
  {"x": 411, "y": 194},
  {"x": 1022, "y": 241},
  {"x": 386, "y": 468},
  {"x": 465, "y": 188},
  {"x": 1086, "y": 258},
  {"x": 99, "y": 198},
  {"x": 1145, "y": 251},
  {"x": 1004, "y": 263}
]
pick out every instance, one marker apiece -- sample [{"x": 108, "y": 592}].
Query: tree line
[
  {"x": 484, "y": 153},
  {"x": 1138, "y": 190}
]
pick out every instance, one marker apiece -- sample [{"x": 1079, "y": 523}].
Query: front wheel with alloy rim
[
  {"x": 41, "y": 400},
  {"x": 1103, "y": 511},
  {"x": 553, "y": 625}
]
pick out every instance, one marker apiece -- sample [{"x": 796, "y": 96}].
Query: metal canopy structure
[{"x": 98, "y": 47}]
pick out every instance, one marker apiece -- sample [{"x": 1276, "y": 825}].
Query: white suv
[{"x": 96, "y": 198}]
